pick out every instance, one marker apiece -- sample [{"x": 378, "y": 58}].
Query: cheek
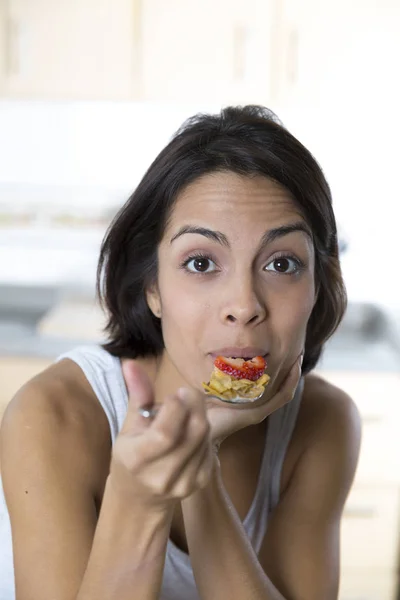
[
  {"x": 185, "y": 318},
  {"x": 291, "y": 312},
  {"x": 185, "y": 313},
  {"x": 182, "y": 307}
]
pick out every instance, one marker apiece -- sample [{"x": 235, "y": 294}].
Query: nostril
[{"x": 231, "y": 318}]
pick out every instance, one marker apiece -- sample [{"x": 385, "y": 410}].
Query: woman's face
[{"x": 236, "y": 276}]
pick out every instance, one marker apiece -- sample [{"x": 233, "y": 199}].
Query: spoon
[
  {"x": 150, "y": 412},
  {"x": 236, "y": 399}
]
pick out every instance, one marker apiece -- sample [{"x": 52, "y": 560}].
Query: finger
[
  {"x": 195, "y": 472},
  {"x": 140, "y": 394},
  {"x": 170, "y": 443},
  {"x": 195, "y": 400},
  {"x": 138, "y": 384},
  {"x": 171, "y": 420},
  {"x": 159, "y": 437},
  {"x": 289, "y": 385},
  {"x": 197, "y": 435},
  {"x": 193, "y": 433},
  {"x": 166, "y": 431},
  {"x": 285, "y": 394}
]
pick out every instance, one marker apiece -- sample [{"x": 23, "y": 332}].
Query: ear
[{"x": 153, "y": 300}]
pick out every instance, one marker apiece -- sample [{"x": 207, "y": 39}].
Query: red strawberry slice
[{"x": 238, "y": 368}]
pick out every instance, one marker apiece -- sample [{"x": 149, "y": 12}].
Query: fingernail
[{"x": 301, "y": 359}]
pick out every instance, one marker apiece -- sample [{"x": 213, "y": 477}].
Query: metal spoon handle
[
  {"x": 148, "y": 413},
  {"x": 151, "y": 412}
]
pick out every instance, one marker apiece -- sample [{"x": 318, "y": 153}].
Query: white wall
[{"x": 82, "y": 144}]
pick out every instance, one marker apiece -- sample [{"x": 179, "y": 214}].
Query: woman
[{"x": 228, "y": 246}]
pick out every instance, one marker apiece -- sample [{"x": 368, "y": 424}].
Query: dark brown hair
[{"x": 248, "y": 141}]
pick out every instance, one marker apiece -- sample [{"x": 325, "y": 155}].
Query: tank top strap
[
  {"x": 104, "y": 373},
  {"x": 280, "y": 428},
  {"x": 278, "y": 443}
]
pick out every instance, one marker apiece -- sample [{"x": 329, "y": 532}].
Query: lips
[{"x": 239, "y": 352}]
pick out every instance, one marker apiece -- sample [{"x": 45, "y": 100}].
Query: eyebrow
[
  {"x": 268, "y": 237},
  {"x": 215, "y": 236},
  {"x": 274, "y": 234}
]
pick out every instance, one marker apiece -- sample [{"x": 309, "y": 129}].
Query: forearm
[
  {"x": 128, "y": 553},
  {"x": 223, "y": 560}
]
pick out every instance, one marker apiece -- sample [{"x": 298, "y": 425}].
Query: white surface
[
  {"x": 93, "y": 144},
  {"x": 49, "y": 256}
]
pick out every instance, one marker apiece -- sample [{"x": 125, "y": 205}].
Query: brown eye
[
  {"x": 284, "y": 265},
  {"x": 200, "y": 264},
  {"x": 281, "y": 265}
]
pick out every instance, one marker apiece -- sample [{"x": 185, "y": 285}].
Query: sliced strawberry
[
  {"x": 258, "y": 362},
  {"x": 231, "y": 366},
  {"x": 238, "y": 368}
]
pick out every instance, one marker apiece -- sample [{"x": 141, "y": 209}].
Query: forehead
[{"x": 231, "y": 198}]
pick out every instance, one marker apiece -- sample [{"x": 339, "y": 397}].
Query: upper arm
[
  {"x": 48, "y": 472},
  {"x": 301, "y": 549}
]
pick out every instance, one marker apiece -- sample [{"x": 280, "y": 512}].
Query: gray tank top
[{"x": 104, "y": 374}]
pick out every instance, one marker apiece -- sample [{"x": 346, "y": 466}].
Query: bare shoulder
[
  {"x": 55, "y": 455},
  {"x": 328, "y": 428},
  {"x": 325, "y": 407},
  {"x": 57, "y": 412}
]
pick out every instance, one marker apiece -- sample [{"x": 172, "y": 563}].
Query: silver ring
[{"x": 147, "y": 413}]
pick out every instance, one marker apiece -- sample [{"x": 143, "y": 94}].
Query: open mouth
[{"x": 237, "y": 378}]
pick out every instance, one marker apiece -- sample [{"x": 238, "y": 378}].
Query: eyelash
[
  {"x": 198, "y": 255},
  {"x": 300, "y": 265}
]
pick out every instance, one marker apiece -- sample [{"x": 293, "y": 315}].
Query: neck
[{"x": 167, "y": 378}]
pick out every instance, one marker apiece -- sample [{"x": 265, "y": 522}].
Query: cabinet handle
[
  {"x": 360, "y": 512},
  {"x": 11, "y": 36}
]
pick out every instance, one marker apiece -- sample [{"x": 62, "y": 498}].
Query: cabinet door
[
  {"x": 331, "y": 53},
  {"x": 75, "y": 49},
  {"x": 304, "y": 48},
  {"x": 204, "y": 51}
]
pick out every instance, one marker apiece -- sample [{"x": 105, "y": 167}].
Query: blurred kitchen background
[{"x": 91, "y": 90}]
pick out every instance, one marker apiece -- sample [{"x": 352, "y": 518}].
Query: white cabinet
[
  {"x": 273, "y": 52},
  {"x": 370, "y": 529},
  {"x": 309, "y": 39},
  {"x": 206, "y": 50},
  {"x": 335, "y": 53},
  {"x": 75, "y": 49},
  {"x": 183, "y": 51}
]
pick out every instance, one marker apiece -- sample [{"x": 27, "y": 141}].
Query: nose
[{"x": 242, "y": 304}]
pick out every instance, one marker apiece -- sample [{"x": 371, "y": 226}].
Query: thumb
[{"x": 138, "y": 385}]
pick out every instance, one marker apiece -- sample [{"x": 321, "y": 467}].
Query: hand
[
  {"x": 226, "y": 419},
  {"x": 161, "y": 460}
]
